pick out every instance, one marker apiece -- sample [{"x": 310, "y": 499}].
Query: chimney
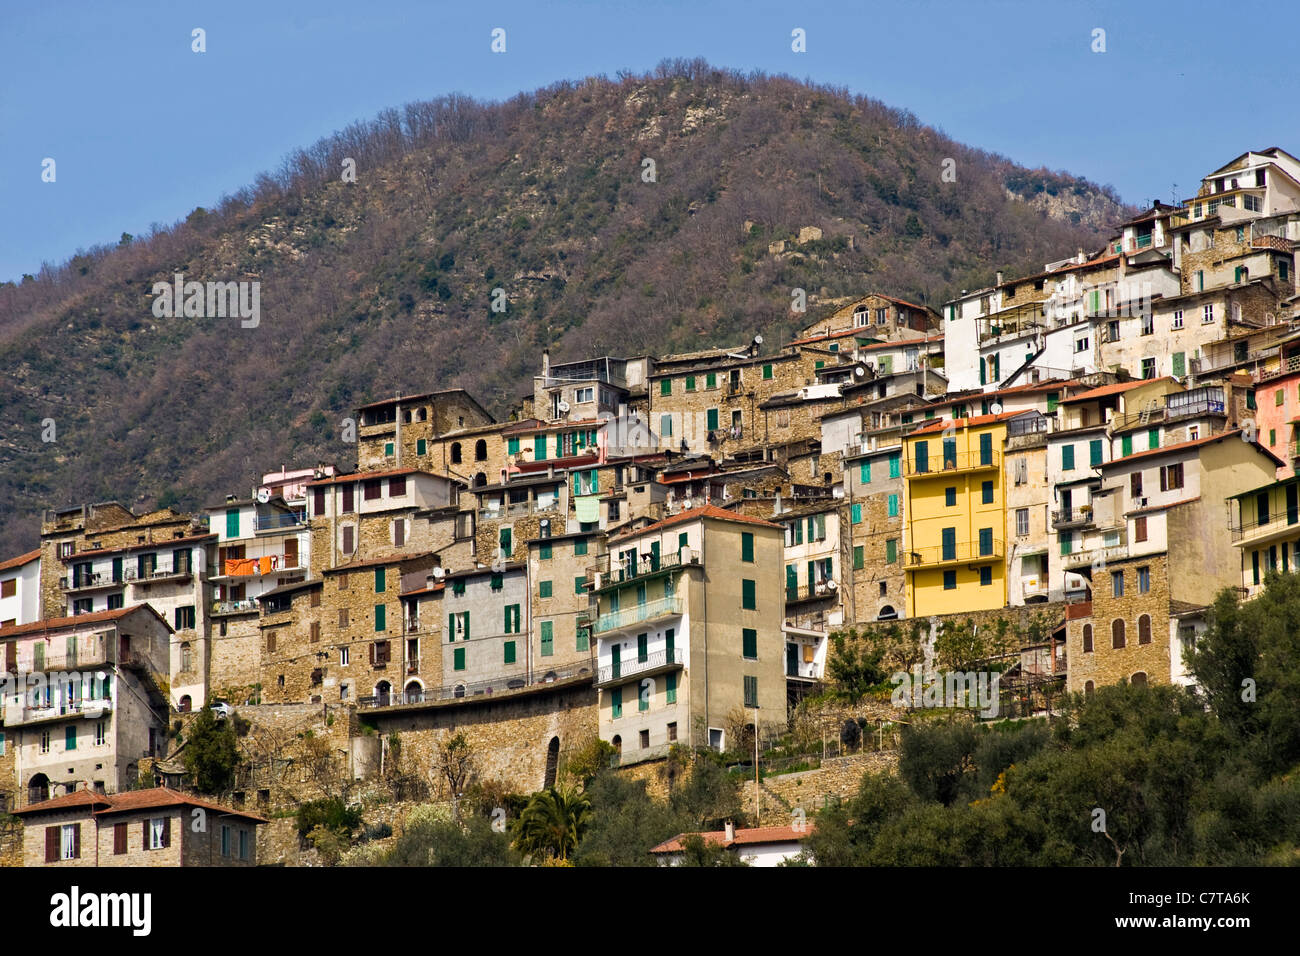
[
  {"x": 546, "y": 363},
  {"x": 999, "y": 277},
  {"x": 731, "y": 832}
]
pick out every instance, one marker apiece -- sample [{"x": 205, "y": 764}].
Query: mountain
[{"x": 385, "y": 284}]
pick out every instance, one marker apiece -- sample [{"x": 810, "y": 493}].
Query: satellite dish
[
  {"x": 831, "y": 585},
  {"x": 263, "y": 495},
  {"x": 688, "y": 503},
  {"x": 859, "y": 371},
  {"x": 563, "y": 407},
  {"x": 439, "y": 572},
  {"x": 995, "y": 408}
]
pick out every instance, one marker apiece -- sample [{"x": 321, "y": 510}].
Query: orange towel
[{"x": 264, "y": 565}]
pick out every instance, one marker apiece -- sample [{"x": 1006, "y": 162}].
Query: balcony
[
  {"x": 89, "y": 582},
  {"x": 656, "y": 663},
  {"x": 641, "y": 613},
  {"x": 159, "y": 573},
  {"x": 247, "y": 606},
  {"x": 1096, "y": 556},
  {"x": 955, "y": 463},
  {"x": 87, "y": 708},
  {"x": 816, "y": 591},
  {"x": 280, "y": 520},
  {"x": 960, "y": 552},
  {"x": 1285, "y": 367},
  {"x": 519, "y": 509},
  {"x": 613, "y": 570},
  {"x": 260, "y": 566},
  {"x": 1033, "y": 588},
  {"x": 1281, "y": 525},
  {"x": 1080, "y": 517}
]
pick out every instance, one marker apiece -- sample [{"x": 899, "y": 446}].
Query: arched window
[
  {"x": 422, "y": 414},
  {"x": 459, "y": 691},
  {"x": 480, "y": 479},
  {"x": 552, "y": 763},
  {"x": 887, "y": 613},
  {"x": 618, "y": 744},
  {"x": 480, "y": 450},
  {"x": 186, "y": 704},
  {"x": 414, "y": 692},
  {"x": 1087, "y": 638},
  {"x": 1144, "y": 629},
  {"x": 38, "y": 789},
  {"x": 1116, "y": 634},
  {"x": 1088, "y": 688},
  {"x": 455, "y": 453},
  {"x": 382, "y": 691},
  {"x": 1139, "y": 679}
]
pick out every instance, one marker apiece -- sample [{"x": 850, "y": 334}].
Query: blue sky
[{"x": 142, "y": 129}]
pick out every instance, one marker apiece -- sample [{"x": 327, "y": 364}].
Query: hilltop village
[{"x": 652, "y": 545}]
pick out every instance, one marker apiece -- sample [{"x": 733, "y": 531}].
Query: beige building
[{"x": 688, "y": 631}]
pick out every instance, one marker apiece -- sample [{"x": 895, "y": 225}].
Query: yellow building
[{"x": 955, "y": 516}]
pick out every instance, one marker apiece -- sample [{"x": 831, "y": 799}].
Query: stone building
[
  {"x": 400, "y": 432},
  {"x": 158, "y": 827},
  {"x": 876, "y": 497}
]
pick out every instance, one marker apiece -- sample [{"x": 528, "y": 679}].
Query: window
[
  {"x": 158, "y": 833},
  {"x": 1171, "y": 477},
  {"x": 69, "y": 738},
  {"x": 1144, "y": 629},
  {"x": 345, "y": 656},
  {"x": 986, "y": 541},
  {"x": 544, "y": 589},
  {"x": 666, "y": 426},
  {"x": 579, "y": 585},
  {"x": 184, "y": 617},
  {"x": 512, "y": 619},
  {"x": 893, "y": 506},
  {"x": 855, "y": 513},
  {"x": 672, "y": 727},
  {"x": 1140, "y": 529},
  {"x": 1081, "y": 345},
  {"x": 748, "y": 595},
  {"x": 859, "y": 560},
  {"x": 950, "y": 497},
  {"x": 1094, "y": 452},
  {"x": 895, "y": 466},
  {"x": 1177, "y": 321},
  {"x": 986, "y": 493},
  {"x": 749, "y": 643},
  {"x": 1022, "y": 522},
  {"x": 1116, "y": 634},
  {"x": 1207, "y": 314},
  {"x": 580, "y": 547},
  {"x": 864, "y": 473},
  {"x": 458, "y": 659},
  {"x": 458, "y": 626},
  {"x": 1126, "y": 446},
  {"x": 616, "y": 703},
  {"x": 1067, "y": 457},
  {"x": 767, "y": 371},
  {"x": 45, "y": 741},
  {"x": 751, "y": 691},
  {"x": 381, "y": 617},
  {"x": 1148, "y": 368},
  {"x": 1144, "y": 580},
  {"x": 509, "y": 656},
  {"x": 950, "y": 580},
  {"x": 690, "y": 383},
  {"x": 891, "y": 550},
  {"x": 1087, "y": 638},
  {"x": 1148, "y": 324},
  {"x": 1117, "y": 584},
  {"x": 666, "y": 386},
  {"x": 949, "y": 544},
  {"x": 747, "y": 547},
  {"x": 711, "y": 419}
]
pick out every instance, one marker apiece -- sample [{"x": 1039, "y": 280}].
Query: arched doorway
[
  {"x": 480, "y": 479},
  {"x": 1139, "y": 679},
  {"x": 552, "y": 763},
  {"x": 480, "y": 450},
  {"x": 414, "y": 692},
  {"x": 382, "y": 692},
  {"x": 38, "y": 789}
]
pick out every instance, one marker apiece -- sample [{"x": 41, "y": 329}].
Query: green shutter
[
  {"x": 922, "y": 456},
  {"x": 579, "y": 585},
  {"x": 1153, "y": 438},
  {"x": 858, "y": 558},
  {"x": 544, "y": 552},
  {"x": 466, "y": 625},
  {"x": 1094, "y": 452},
  {"x": 690, "y": 383},
  {"x": 507, "y": 542},
  {"x": 767, "y": 371},
  {"x": 421, "y": 446},
  {"x": 232, "y": 523},
  {"x": 642, "y": 648},
  {"x": 379, "y": 580},
  {"x": 509, "y": 652},
  {"x": 864, "y": 473},
  {"x": 451, "y": 628},
  {"x": 580, "y": 547},
  {"x": 949, "y": 544},
  {"x": 895, "y": 466},
  {"x": 616, "y": 702},
  {"x": 548, "y": 638},
  {"x": 986, "y": 448},
  {"x": 388, "y": 449},
  {"x": 986, "y": 542},
  {"x": 539, "y": 448},
  {"x": 381, "y": 617},
  {"x": 1067, "y": 457},
  {"x": 666, "y": 386},
  {"x": 712, "y": 420},
  {"x": 748, "y": 595},
  {"x": 987, "y": 493},
  {"x": 584, "y": 639},
  {"x": 893, "y": 506},
  {"x": 749, "y": 643},
  {"x": 891, "y": 550},
  {"x": 856, "y": 512},
  {"x": 1126, "y": 445},
  {"x": 512, "y": 446},
  {"x": 711, "y": 380},
  {"x": 458, "y": 659},
  {"x": 70, "y": 738},
  {"x": 544, "y": 589},
  {"x": 1180, "y": 363},
  {"x": 747, "y": 546},
  {"x": 670, "y": 686}
]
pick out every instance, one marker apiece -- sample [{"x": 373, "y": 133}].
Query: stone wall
[{"x": 1106, "y": 664}]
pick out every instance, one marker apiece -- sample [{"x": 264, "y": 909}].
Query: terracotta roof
[
  {"x": 166, "y": 797},
  {"x": 939, "y": 424},
  {"x": 708, "y": 511},
  {"x": 399, "y": 398},
  {"x": 76, "y": 620},
  {"x": 78, "y": 798},
  {"x": 750, "y": 837},
  {"x": 1101, "y": 392},
  {"x": 1183, "y": 446},
  {"x": 20, "y": 560}
]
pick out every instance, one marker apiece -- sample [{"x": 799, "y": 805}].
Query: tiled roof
[
  {"x": 77, "y": 621},
  {"x": 365, "y": 475},
  {"x": 939, "y": 424},
  {"x": 1101, "y": 392},
  {"x": 1183, "y": 446},
  {"x": 166, "y": 797},
  {"x": 78, "y": 798},
  {"x": 19, "y": 561},
  {"x": 749, "y": 837},
  {"x": 692, "y": 514}
]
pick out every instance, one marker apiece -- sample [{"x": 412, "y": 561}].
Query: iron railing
[
  {"x": 626, "y": 617},
  {"x": 505, "y": 684},
  {"x": 668, "y": 657}
]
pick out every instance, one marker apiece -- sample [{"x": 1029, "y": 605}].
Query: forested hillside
[{"x": 384, "y": 284}]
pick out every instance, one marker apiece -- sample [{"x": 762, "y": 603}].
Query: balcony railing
[
  {"x": 1279, "y": 522},
  {"x": 627, "y": 617},
  {"x": 956, "y": 462},
  {"x": 15, "y": 714},
  {"x": 506, "y": 684},
  {"x": 816, "y": 591},
  {"x": 1285, "y": 367},
  {"x": 625, "y": 669},
  {"x": 86, "y": 582},
  {"x": 153, "y": 574},
  {"x": 234, "y": 607},
  {"x": 955, "y": 552},
  {"x": 612, "y": 569},
  {"x": 1080, "y": 517},
  {"x": 1096, "y": 556},
  {"x": 254, "y": 567},
  {"x": 280, "y": 520},
  {"x": 518, "y": 509}
]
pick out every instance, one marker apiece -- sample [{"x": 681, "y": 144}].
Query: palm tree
[{"x": 553, "y": 822}]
